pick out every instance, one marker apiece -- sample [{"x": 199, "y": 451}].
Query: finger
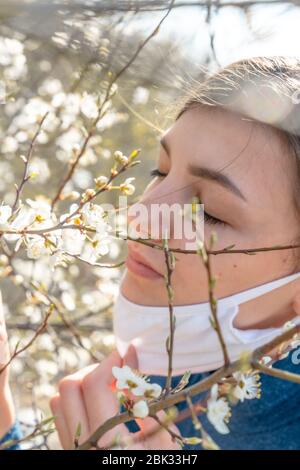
[
  {"x": 60, "y": 423},
  {"x": 73, "y": 404},
  {"x": 151, "y": 436},
  {"x": 154, "y": 436},
  {"x": 101, "y": 403},
  {"x": 130, "y": 359}
]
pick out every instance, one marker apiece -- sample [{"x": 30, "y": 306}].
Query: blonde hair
[{"x": 266, "y": 89}]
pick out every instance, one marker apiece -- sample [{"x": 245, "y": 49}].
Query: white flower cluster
[
  {"x": 37, "y": 215},
  {"x": 12, "y": 58},
  {"x": 218, "y": 411},
  {"x": 246, "y": 387},
  {"x": 129, "y": 381}
]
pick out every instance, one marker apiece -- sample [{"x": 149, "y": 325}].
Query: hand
[
  {"x": 86, "y": 397},
  {"x": 7, "y": 413}
]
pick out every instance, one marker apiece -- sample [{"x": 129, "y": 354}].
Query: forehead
[{"x": 252, "y": 153}]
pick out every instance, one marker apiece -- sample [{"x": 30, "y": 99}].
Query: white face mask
[{"x": 196, "y": 344}]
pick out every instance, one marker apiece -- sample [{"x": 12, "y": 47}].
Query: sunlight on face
[{"x": 242, "y": 174}]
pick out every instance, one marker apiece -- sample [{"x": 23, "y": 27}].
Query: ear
[{"x": 296, "y": 303}]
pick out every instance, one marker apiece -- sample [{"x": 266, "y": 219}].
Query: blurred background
[{"x": 57, "y": 56}]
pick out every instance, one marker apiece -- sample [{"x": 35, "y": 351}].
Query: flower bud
[
  {"x": 88, "y": 194},
  {"x": 101, "y": 181},
  {"x": 120, "y": 158},
  {"x": 140, "y": 409}
]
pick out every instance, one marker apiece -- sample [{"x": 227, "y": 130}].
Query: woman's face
[{"x": 242, "y": 173}]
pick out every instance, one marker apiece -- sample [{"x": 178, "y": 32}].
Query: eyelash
[
  {"x": 207, "y": 217},
  {"x": 155, "y": 172},
  {"x": 213, "y": 220}
]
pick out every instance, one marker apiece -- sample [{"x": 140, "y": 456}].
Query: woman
[{"x": 235, "y": 144}]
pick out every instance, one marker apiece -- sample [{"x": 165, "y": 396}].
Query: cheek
[
  {"x": 189, "y": 270},
  {"x": 226, "y": 236}
]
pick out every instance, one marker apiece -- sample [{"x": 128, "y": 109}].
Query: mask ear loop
[
  {"x": 257, "y": 334},
  {"x": 253, "y": 335},
  {"x": 257, "y": 291}
]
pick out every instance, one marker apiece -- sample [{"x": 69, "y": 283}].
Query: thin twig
[
  {"x": 100, "y": 113},
  {"x": 213, "y": 301},
  {"x": 40, "y": 330},
  {"x": 170, "y": 264},
  {"x": 25, "y": 177},
  {"x": 290, "y": 376},
  {"x": 192, "y": 390}
]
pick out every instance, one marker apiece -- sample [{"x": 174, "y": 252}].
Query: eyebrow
[{"x": 208, "y": 173}]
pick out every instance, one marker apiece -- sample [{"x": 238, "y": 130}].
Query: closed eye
[
  {"x": 155, "y": 172},
  {"x": 210, "y": 219}
]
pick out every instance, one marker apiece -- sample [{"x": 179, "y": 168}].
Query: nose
[{"x": 160, "y": 211}]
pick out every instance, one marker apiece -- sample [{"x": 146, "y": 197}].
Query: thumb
[{"x": 130, "y": 359}]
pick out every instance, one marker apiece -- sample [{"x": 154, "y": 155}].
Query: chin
[{"x": 142, "y": 290}]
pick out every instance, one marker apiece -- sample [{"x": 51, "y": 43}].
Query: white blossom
[
  {"x": 25, "y": 217},
  {"x": 43, "y": 211},
  {"x": 88, "y": 106},
  {"x": 73, "y": 241},
  {"x": 9, "y": 144},
  {"x": 218, "y": 411},
  {"x": 36, "y": 248},
  {"x": 68, "y": 299},
  {"x": 127, "y": 379},
  {"x": 248, "y": 385},
  {"x": 12, "y": 58},
  {"x": 69, "y": 140},
  {"x": 5, "y": 213},
  {"x": 40, "y": 169},
  {"x": 70, "y": 107},
  {"x": 152, "y": 390},
  {"x": 96, "y": 247},
  {"x": 50, "y": 86},
  {"x": 32, "y": 113},
  {"x": 140, "y": 95},
  {"x": 88, "y": 158},
  {"x": 127, "y": 187},
  {"x": 93, "y": 215},
  {"x": 82, "y": 178}
]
